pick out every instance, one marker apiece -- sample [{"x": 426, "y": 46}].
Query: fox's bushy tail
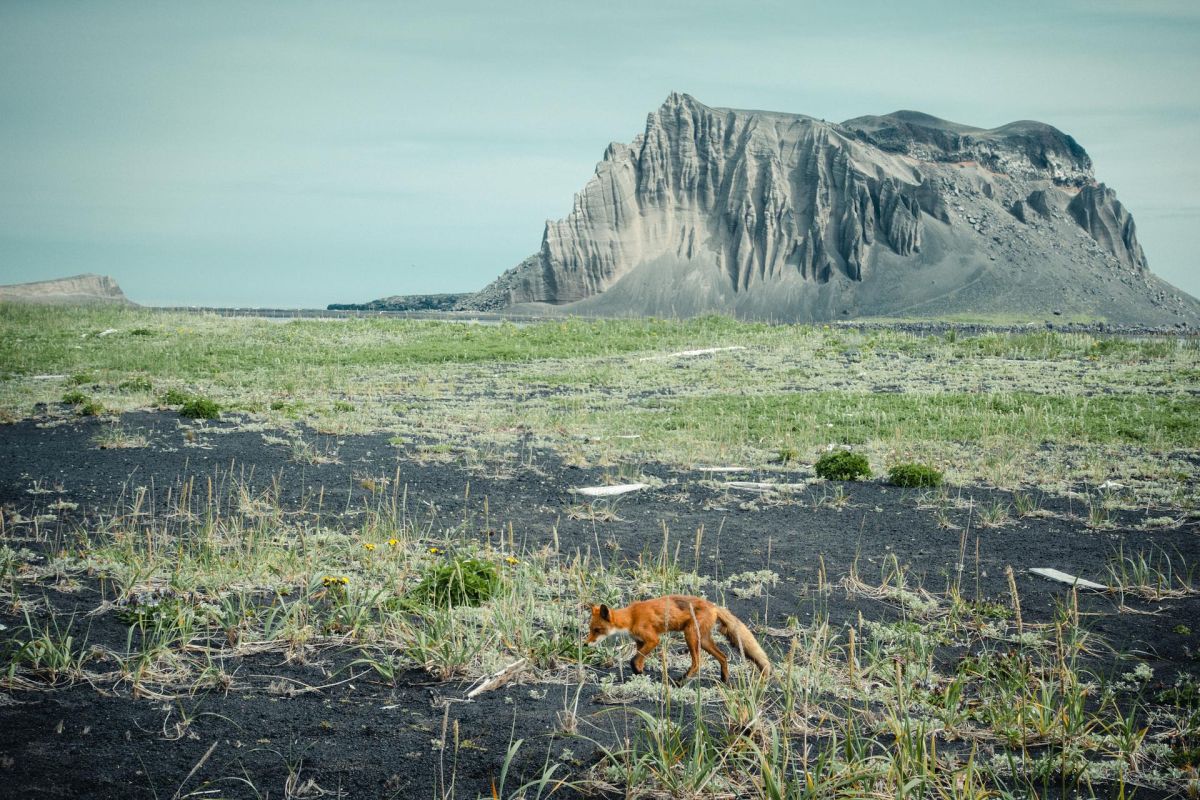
[{"x": 743, "y": 640}]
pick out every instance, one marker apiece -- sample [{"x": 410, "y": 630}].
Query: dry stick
[
  {"x": 1016, "y": 599},
  {"x": 962, "y": 563},
  {"x": 767, "y": 603},
  {"x": 699, "y": 539},
  {"x": 442, "y": 748},
  {"x": 851, "y": 661},
  {"x": 497, "y": 679},
  {"x": 717, "y": 555},
  {"x": 199, "y": 764},
  {"x": 596, "y": 538},
  {"x": 307, "y": 687},
  {"x": 977, "y": 576}
]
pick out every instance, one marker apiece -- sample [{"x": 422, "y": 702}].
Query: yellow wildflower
[
  {"x": 393, "y": 542},
  {"x": 369, "y": 545}
]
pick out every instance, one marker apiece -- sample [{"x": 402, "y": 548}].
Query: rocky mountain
[
  {"x": 85, "y": 289},
  {"x": 785, "y": 217}
]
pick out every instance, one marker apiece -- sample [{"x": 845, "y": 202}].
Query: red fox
[{"x": 648, "y": 620}]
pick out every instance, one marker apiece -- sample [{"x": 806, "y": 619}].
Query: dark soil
[{"x": 367, "y": 739}]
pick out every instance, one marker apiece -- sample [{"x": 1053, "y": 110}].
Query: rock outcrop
[
  {"x": 404, "y": 302},
  {"x": 85, "y": 289},
  {"x": 787, "y": 217}
]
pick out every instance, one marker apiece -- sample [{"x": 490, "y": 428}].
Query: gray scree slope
[{"x": 784, "y": 217}]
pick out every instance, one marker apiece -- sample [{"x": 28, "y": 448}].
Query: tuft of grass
[
  {"x": 304, "y": 452},
  {"x": 462, "y": 581},
  {"x": 84, "y": 405},
  {"x": 994, "y": 514},
  {"x": 115, "y": 437},
  {"x": 1153, "y": 576},
  {"x": 598, "y": 511},
  {"x": 136, "y": 384},
  {"x": 174, "y": 397},
  {"x": 787, "y": 455},
  {"x": 912, "y": 475},
  {"x": 75, "y": 398},
  {"x": 842, "y": 465}
]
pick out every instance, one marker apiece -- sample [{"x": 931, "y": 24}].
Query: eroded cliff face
[
  {"x": 88, "y": 289},
  {"x": 753, "y": 201}
]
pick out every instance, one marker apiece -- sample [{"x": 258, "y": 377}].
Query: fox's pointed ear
[{"x": 604, "y": 613}]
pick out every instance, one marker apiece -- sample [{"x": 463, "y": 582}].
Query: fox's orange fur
[{"x": 647, "y": 621}]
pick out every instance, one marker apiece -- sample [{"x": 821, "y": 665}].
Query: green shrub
[
  {"x": 75, "y": 398},
  {"x": 199, "y": 408},
  {"x": 460, "y": 581},
  {"x": 89, "y": 409},
  {"x": 80, "y": 378},
  {"x": 141, "y": 332},
  {"x": 175, "y": 397},
  {"x": 842, "y": 465},
  {"x": 787, "y": 454},
  {"x": 914, "y": 475}
]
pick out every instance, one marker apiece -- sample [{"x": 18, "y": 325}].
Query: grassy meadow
[
  {"x": 1043, "y": 409},
  {"x": 952, "y": 693}
]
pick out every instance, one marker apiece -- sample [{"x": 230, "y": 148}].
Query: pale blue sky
[{"x": 297, "y": 154}]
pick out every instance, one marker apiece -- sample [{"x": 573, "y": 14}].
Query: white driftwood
[
  {"x": 764, "y": 486},
  {"x": 723, "y": 469},
  {"x": 497, "y": 679},
  {"x": 691, "y": 353},
  {"x": 1070, "y": 580},
  {"x": 610, "y": 491}
]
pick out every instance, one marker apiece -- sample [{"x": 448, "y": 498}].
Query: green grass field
[{"x": 1036, "y": 408}]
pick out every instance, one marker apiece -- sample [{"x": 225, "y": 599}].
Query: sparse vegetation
[
  {"x": 175, "y": 397},
  {"x": 136, "y": 384},
  {"x": 116, "y": 437}
]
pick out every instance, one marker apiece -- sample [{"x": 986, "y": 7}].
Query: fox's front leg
[{"x": 645, "y": 646}]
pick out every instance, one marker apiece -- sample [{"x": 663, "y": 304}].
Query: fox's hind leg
[
  {"x": 692, "y": 636},
  {"x": 714, "y": 650}
]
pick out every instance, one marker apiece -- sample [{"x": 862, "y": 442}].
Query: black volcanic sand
[{"x": 371, "y": 740}]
